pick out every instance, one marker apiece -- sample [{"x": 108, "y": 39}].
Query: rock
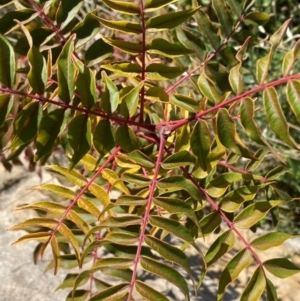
[{"x": 21, "y": 279}]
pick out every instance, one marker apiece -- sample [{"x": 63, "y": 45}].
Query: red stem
[
  {"x": 236, "y": 98},
  {"x": 208, "y": 58},
  {"x": 84, "y": 189},
  {"x": 149, "y": 127},
  {"x": 147, "y": 211}
]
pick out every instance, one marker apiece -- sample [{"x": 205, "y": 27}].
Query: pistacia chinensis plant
[{"x": 165, "y": 122}]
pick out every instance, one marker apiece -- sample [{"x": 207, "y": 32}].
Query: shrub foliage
[{"x": 166, "y": 112}]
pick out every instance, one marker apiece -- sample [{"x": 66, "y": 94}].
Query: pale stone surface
[{"x": 21, "y": 280}]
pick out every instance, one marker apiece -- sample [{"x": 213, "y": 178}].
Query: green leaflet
[
  {"x": 114, "y": 180},
  {"x": 236, "y": 80},
  {"x": 7, "y": 22},
  {"x": 142, "y": 159},
  {"x": 110, "y": 98},
  {"x": 127, "y": 47},
  {"x": 124, "y": 274},
  {"x": 130, "y": 101},
  {"x": 124, "y": 69},
  {"x": 68, "y": 234},
  {"x": 26, "y": 124},
  {"x": 166, "y": 272},
  {"x": 233, "y": 200},
  {"x": 281, "y": 267},
  {"x": 277, "y": 36},
  {"x": 135, "y": 179},
  {"x": 100, "y": 194},
  {"x": 7, "y": 62},
  {"x": 218, "y": 186},
  {"x": 57, "y": 189},
  {"x": 122, "y": 26},
  {"x": 182, "y": 158},
  {"x": 157, "y": 94},
  {"x": 56, "y": 254},
  {"x": 236, "y": 6},
  {"x": 122, "y": 238},
  {"x": 251, "y": 129},
  {"x": 228, "y": 135},
  {"x": 42, "y": 222},
  {"x": 126, "y": 138},
  {"x": 232, "y": 270},
  {"x": 151, "y": 5},
  {"x": 185, "y": 102},
  {"x": 50, "y": 126},
  {"x": 275, "y": 116},
  {"x": 208, "y": 88},
  {"x": 207, "y": 29},
  {"x": 258, "y": 17},
  {"x": 123, "y": 7},
  {"x": 89, "y": 207},
  {"x": 276, "y": 172},
  {"x": 209, "y": 223},
  {"x": 149, "y": 293},
  {"x": 173, "y": 205},
  {"x": 97, "y": 52},
  {"x": 86, "y": 86},
  {"x": 260, "y": 155},
  {"x": 49, "y": 206},
  {"x": 270, "y": 240},
  {"x": 74, "y": 176},
  {"x": 247, "y": 114},
  {"x": 103, "y": 137},
  {"x": 293, "y": 97},
  {"x": 66, "y": 72},
  {"x": 254, "y": 213},
  {"x": 79, "y": 295},
  {"x": 40, "y": 236},
  {"x": 171, "y": 226},
  {"x": 66, "y": 11},
  {"x": 170, "y": 253},
  {"x": 262, "y": 67},
  {"x": 79, "y": 137},
  {"x": 235, "y": 77},
  {"x": 130, "y": 200},
  {"x": 191, "y": 41},
  {"x": 165, "y": 48},
  {"x": 255, "y": 286},
  {"x": 223, "y": 244},
  {"x": 170, "y": 20},
  {"x": 182, "y": 141},
  {"x": 290, "y": 58},
  {"x": 101, "y": 264},
  {"x": 122, "y": 221},
  {"x": 175, "y": 183},
  {"x": 201, "y": 142},
  {"x": 86, "y": 29},
  {"x": 271, "y": 291},
  {"x": 223, "y": 16},
  {"x": 163, "y": 72},
  {"x": 6, "y": 103},
  {"x": 37, "y": 75},
  {"x": 111, "y": 294}
]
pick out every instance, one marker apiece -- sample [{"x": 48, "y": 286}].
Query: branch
[{"x": 163, "y": 138}]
